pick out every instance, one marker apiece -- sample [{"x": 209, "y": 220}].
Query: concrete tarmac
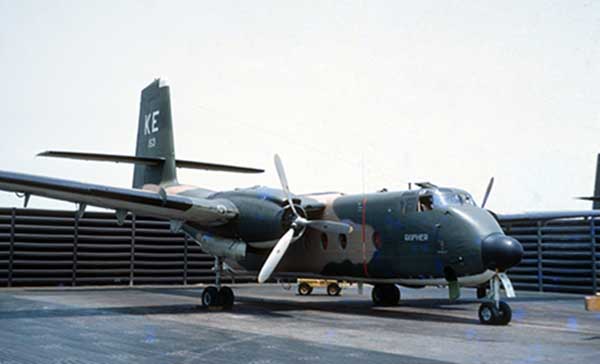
[{"x": 272, "y": 325}]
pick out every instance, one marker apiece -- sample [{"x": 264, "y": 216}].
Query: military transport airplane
[{"x": 427, "y": 236}]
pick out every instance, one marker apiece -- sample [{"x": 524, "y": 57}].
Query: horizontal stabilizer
[
  {"x": 215, "y": 167},
  {"x": 153, "y": 161}
]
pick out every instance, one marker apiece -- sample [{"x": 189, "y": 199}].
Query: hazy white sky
[{"x": 451, "y": 92}]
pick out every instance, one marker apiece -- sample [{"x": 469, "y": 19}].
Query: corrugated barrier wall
[
  {"x": 50, "y": 248},
  {"x": 560, "y": 255}
]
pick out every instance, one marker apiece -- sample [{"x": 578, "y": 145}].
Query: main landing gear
[
  {"x": 385, "y": 295},
  {"x": 219, "y": 297},
  {"x": 494, "y": 311}
]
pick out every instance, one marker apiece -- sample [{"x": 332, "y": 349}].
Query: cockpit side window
[
  {"x": 425, "y": 203},
  {"x": 467, "y": 199}
]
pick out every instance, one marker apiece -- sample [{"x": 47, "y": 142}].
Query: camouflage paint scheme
[{"x": 376, "y": 250}]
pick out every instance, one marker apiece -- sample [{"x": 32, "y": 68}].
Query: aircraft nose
[{"x": 500, "y": 252}]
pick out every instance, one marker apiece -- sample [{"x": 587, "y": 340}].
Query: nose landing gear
[
  {"x": 219, "y": 297},
  {"x": 489, "y": 314},
  {"x": 494, "y": 311}
]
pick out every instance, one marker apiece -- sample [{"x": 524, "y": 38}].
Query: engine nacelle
[{"x": 263, "y": 214}]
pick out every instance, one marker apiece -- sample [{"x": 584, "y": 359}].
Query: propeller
[
  {"x": 487, "y": 192},
  {"x": 298, "y": 224},
  {"x": 276, "y": 254}
]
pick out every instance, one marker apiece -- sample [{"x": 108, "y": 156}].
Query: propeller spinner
[{"x": 298, "y": 224}]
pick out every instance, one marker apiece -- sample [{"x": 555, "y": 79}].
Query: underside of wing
[{"x": 201, "y": 211}]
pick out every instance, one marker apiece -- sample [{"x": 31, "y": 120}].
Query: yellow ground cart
[
  {"x": 592, "y": 303},
  {"x": 333, "y": 287}
]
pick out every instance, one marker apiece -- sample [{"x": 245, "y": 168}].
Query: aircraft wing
[
  {"x": 545, "y": 215},
  {"x": 202, "y": 211}
]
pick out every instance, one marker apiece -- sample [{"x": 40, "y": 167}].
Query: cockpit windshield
[{"x": 431, "y": 199}]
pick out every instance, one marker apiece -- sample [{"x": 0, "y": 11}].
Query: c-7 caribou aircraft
[{"x": 415, "y": 238}]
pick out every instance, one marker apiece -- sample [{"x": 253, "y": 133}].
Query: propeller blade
[
  {"x": 284, "y": 182},
  {"x": 487, "y": 192},
  {"x": 276, "y": 254},
  {"x": 330, "y": 226},
  {"x": 281, "y": 173}
]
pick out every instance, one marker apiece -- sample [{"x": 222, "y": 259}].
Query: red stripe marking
[{"x": 364, "y": 236}]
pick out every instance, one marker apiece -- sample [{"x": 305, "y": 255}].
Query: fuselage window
[
  {"x": 324, "y": 241},
  {"x": 376, "y": 238},
  {"x": 343, "y": 241}
]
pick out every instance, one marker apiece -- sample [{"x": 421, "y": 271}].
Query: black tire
[
  {"x": 481, "y": 292},
  {"x": 488, "y": 313},
  {"x": 333, "y": 289},
  {"x": 394, "y": 295},
  {"x": 210, "y": 297},
  {"x": 226, "y": 297},
  {"x": 504, "y": 314},
  {"x": 385, "y": 295},
  {"x": 378, "y": 295},
  {"x": 304, "y": 289}
]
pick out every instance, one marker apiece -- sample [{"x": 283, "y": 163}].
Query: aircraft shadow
[
  {"x": 261, "y": 306},
  {"x": 253, "y": 305},
  {"x": 281, "y": 307},
  {"x": 360, "y": 308}
]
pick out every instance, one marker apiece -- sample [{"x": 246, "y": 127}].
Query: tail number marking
[{"x": 151, "y": 128}]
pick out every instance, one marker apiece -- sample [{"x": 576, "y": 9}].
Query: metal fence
[
  {"x": 49, "y": 248},
  {"x": 53, "y": 248},
  {"x": 560, "y": 255}
]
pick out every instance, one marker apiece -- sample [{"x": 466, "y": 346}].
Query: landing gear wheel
[
  {"x": 210, "y": 297},
  {"x": 481, "y": 291},
  {"x": 226, "y": 297},
  {"x": 304, "y": 289},
  {"x": 333, "y": 289},
  {"x": 490, "y": 315},
  {"x": 385, "y": 295},
  {"x": 504, "y": 314},
  {"x": 377, "y": 295}
]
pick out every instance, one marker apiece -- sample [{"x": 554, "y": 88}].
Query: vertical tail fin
[
  {"x": 155, "y": 137},
  {"x": 596, "y": 205}
]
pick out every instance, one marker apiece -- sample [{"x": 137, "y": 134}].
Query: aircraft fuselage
[{"x": 416, "y": 237}]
